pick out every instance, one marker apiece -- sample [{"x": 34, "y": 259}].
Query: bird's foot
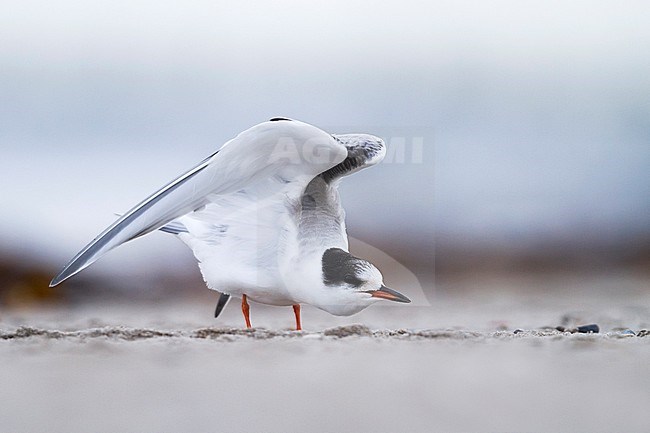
[
  {"x": 296, "y": 311},
  {"x": 245, "y": 308}
]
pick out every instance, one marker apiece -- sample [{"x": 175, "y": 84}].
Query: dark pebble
[
  {"x": 560, "y": 328},
  {"x": 518, "y": 331},
  {"x": 643, "y": 333},
  {"x": 585, "y": 329}
]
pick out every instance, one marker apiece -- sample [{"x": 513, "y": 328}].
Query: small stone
[
  {"x": 560, "y": 328},
  {"x": 518, "y": 331},
  {"x": 622, "y": 333},
  {"x": 643, "y": 333},
  {"x": 587, "y": 329}
]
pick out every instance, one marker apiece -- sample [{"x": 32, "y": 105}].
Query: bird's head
[{"x": 355, "y": 283}]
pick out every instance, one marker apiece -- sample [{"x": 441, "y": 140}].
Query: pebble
[
  {"x": 517, "y": 331},
  {"x": 622, "y": 333},
  {"x": 643, "y": 333},
  {"x": 586, "y": 329}
]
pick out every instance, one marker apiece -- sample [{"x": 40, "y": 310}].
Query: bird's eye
[{"x": 352, "y": 280}]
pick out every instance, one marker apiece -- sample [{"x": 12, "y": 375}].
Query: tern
[{"x": 263, "y": 217}]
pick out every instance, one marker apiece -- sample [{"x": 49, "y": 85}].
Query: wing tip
[
  {"x": 74, "y": 267},
  {"x": 56, "y": 280},
  {"x": 62, "y": 276}
]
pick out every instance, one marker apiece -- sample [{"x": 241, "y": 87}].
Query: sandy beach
[{"x": 472, "y": 361}]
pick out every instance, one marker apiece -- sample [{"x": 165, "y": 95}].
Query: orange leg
[
  {"x": 245, "y": 308},
  {"x": 296, "y": 311}
]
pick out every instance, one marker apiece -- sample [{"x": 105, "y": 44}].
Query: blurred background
[
  {"x": 519, "y": 132},
  {"x": 515, "y": 197}
]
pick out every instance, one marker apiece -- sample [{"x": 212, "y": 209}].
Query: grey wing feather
[
  {"x": 134, "y": 223},
  {"x": 363, "y": 151},
  {"x": 322, "y": 219},
  {"x": 174, "y": 228}
]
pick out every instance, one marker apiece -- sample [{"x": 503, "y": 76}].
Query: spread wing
[
  {"x": 290, "y": 151},
  {"x": 322, "y": 219},
  {"x": 363, "y": 151}
]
